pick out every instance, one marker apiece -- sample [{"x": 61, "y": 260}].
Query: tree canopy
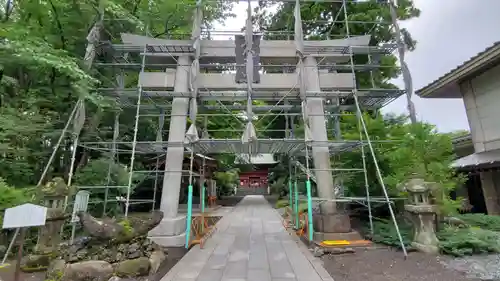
[{"x": 43, "y": 73}]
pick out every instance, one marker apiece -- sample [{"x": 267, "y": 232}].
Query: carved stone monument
[{"x": 422, "y": 214}]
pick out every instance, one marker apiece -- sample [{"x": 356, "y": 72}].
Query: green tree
[
  {"x": 429, "y": 154},
  {"x": 42, "y": 76}
]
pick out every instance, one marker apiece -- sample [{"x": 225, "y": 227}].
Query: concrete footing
[
  {"x": 429, "y": 249},
  {"x": 349, "y": 236},
  {"x": 334, "y": 227},
  {"x": 332, "y": 223},
  {"x": 171, "y": 232}
]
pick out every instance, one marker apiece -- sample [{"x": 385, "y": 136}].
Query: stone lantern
[
  {"x": 53, "y": 195},
  {"x": 423, "y": 214}
]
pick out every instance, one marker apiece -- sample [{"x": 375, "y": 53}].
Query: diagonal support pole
[{"x": 379, "y": 176}]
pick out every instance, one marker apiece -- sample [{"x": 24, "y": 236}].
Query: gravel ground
[
  {"x": 485, "y": 267},
  {"x": 389, "y": 265}
]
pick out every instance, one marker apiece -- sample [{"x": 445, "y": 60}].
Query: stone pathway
[{"x": 250, "y": 244}]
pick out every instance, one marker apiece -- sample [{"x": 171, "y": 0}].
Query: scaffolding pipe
[
  {"x": 372, "y": 151},
  {"x": 111, "y": 162},
  {"x": 290, "y": 185},
  {"x": 296, "y": 205},
  {"x": 159, "y": 137},
  {"x": 52, "y": 156},
  {"x": 134, "y": 141},
  {"x": 367, "y": 187},
  {"x": 381, "y": 180}
]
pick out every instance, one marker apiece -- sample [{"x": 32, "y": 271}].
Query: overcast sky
[{"x": 448, "y": 33}]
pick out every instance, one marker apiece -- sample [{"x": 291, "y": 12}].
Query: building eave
[
  {"x": 462, "y": 141},
  {"x": 446, "y": 86}
]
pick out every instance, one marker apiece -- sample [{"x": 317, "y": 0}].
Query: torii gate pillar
[
  {"x": 317, "y": 123},
  {"x": 171, "y": 231}
]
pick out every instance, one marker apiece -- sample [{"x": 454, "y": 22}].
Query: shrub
[
  {"x": 282, "y": 204},
  {"x": 452, "y": 240},
  {"x": 482, "y": 221},
  {"x": 385, "y": 233},
  {"x": 468, "y": 241},
  {"x": 10, "y": 197}
]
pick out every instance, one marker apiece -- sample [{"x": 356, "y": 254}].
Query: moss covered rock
[
  {"x": 88, "y": 271},
  {"x": 155, "y": 260},
  {"x": 56, "y": 270},
  {"x": 34, "y": 263},
  {"x": 119, "y": 231},
  {"x": 132, "y": 268}
]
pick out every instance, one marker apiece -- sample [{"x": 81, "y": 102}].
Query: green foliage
[
  {"x": 424, "y": 151},
  {"x": 96, "y": 171},
  {"x": 280, "y": 186},
  {"x": 386, "y": 132},
  {"x": 226, "y": 181},
  {"x": 12, "y": 196},
  {"x": 468, "y": 241},
  {"x": 454, "y": 241},
  {"x": 428, "y": 153},
  {"x": 43, "y": 73},
  {"x": 401, "y": 149},
  {"x": 282, "y": 204},
  {"x": 385, "y": 233},
  {"x": 95, "y": 174},
  {"x": 128, "y": 230},
  {"x": 482, "y": 221}
]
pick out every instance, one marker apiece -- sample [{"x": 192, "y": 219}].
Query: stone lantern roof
[
  {"x": 417, "y": 185},
  {"x": 56, "y": 188}
]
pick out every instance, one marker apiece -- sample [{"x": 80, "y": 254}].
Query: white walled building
[{"x": 477, "y": 82}]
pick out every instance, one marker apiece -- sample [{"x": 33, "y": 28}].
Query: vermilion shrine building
[{"x": 255, "y": 181}]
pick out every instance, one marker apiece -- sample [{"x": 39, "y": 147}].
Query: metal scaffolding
[{"x": 156, "y": 103}]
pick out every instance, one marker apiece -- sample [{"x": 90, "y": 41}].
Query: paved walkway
[{"x": 250, "y": 244}]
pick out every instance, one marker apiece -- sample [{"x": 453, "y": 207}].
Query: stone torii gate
[{"x": 187, "y": 85}]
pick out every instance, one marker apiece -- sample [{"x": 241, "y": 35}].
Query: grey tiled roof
[
  {"x": 461, "y": 139},
  {"x": 481, "y": 159},
  {"x": 494, "y": 45}
]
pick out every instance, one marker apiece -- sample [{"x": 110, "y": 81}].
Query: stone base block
[
  {"x": 171, "y": 232},
  {"x": 349, "y": 236},
  {"x": 170, "y": 241},
  {"x": 429, "y": 249},
  {"x": 332, "y": 223}
]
